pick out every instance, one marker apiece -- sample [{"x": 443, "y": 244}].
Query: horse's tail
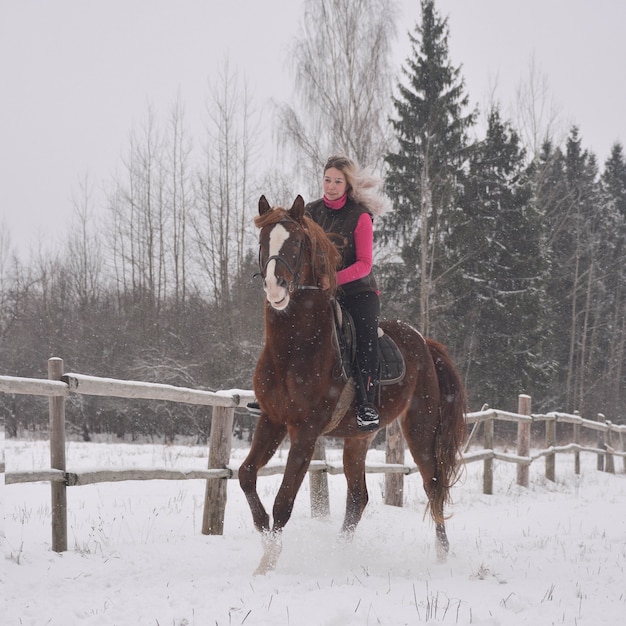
[{"x": 451, "y": 431}]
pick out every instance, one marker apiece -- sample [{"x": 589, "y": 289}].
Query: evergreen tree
[
  {"x": 614, "y": 180},
  {"x": 496, "y": 237},
  {"x": 613, "y": 191},
  {"x": 575, "y": 222},
  {"x": 550, "y": 192},
  {"x": 425, "y": 170}
]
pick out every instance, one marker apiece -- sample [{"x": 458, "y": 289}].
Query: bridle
[{"x": 294, "y": 284}]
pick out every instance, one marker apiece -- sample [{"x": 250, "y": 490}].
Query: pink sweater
[{"x": 363, "y": 245}]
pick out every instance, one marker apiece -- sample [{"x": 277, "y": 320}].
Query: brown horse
[{"x": 300, "y": 395}]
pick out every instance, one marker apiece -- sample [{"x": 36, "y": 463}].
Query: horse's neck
[{"x": 307, "y": 320}]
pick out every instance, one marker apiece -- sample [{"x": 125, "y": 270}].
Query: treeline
[
  {"x": 509, "y": 247},
  {"x": 517, "y": 252},
  {"x": 156, "y": 284}
]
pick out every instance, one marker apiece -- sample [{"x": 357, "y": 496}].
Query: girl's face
[{"x": 334, "y": 183}]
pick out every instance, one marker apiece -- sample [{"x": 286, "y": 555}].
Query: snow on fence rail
[{"x": 60, "y": 385}]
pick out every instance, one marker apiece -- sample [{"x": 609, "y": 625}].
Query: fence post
[
  {"x": 318, "y": 482},
  {"x": 550, "y": 443},
  {"x": 488, "y": 463},
  {"x": 609, "y": 464},
  {"x": 57, "y": 459},
  {"x": 220, "y": 445},
  {"x": 523, "y": 439},
  {"x": 576, "y": 437},
  {"x": 601, "y": 443},
  {"x": 394, "y": 453}
]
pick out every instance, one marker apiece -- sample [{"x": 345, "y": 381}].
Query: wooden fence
[{"x": 60, "y": 385}]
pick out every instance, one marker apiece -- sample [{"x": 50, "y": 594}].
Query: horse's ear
[
  {"x": 297, "y": 209},
  {"x": 264, "y": 205}
]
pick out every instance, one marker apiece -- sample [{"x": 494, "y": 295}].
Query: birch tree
[{"x": 341, "y": 65}]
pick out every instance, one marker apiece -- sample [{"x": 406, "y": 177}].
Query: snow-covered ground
[{"x": 551, "y": 554}]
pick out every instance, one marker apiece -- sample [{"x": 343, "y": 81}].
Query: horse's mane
[{"x": 325, "y": 256}]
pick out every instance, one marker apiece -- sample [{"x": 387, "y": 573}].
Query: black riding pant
[{"x": 364, "y": 307}]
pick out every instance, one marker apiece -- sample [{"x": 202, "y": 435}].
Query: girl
[{"x": 346, "y": 213}]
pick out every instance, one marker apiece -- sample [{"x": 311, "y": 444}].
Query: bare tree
[
  {"x": 223, "y": 219},
  {"x": 138, "y": 217},
  {"x": 5, "y": 252},
  {"x": 179, "y": 197},
  {"x": 343, "y": 80},
  {"x": 537, "y": 114},
  {"x": 84, "y": 250}
]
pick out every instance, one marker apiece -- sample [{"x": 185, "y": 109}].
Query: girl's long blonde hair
[{"x": 362, "y": 185}]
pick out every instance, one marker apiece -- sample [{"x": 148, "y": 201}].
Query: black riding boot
[
  {"x": 366, "y": 413},
  {"x": 254, "y": 408}
]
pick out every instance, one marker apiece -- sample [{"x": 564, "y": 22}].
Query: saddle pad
[{"x": 391, "y": 362}]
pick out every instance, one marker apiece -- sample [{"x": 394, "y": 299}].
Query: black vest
[{"x": 339, "y": 224}]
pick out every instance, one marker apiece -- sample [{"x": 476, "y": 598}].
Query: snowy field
[{"x": 552, "y": 554}]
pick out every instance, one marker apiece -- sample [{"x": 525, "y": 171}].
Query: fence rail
[{"x": 60, "y": 385}]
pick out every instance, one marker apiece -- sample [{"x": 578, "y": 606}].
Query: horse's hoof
[
  {"x": 442, "y": 545},
  {"x": 272, "y": 547},
  {"x": 442, "y": 551},
  {"x": 261, "y": 570}
]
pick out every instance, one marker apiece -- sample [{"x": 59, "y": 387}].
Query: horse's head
[{"x": 294, "y": 253}]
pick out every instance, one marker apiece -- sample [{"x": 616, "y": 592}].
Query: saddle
[{"x": 391, "y": 365}]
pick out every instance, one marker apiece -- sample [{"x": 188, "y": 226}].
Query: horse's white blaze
[{"x": 276, "y": 295}]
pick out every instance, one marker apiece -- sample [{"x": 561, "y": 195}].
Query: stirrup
[{"x": 367, "y": 417}]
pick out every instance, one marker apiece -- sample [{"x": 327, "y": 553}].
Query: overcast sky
[{"x": 77, "y": 76}]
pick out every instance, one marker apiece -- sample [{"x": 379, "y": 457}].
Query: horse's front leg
[
  {"x": 354, "y": 454},
  {"x": 267, "y": 437},
  {"x": 298, "y": 461},
  {"x": 301, "y": 451}
]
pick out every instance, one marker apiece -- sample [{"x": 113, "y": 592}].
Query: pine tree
[
  {"x": 613, "y": 192},
  {"x": 550, "y": 192},
  {"x": 425, "y": 170},
  {"x": 574, "y": 221},
  {"x": 496, "y": 237},
  {"x": 614, "y": 180}
]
